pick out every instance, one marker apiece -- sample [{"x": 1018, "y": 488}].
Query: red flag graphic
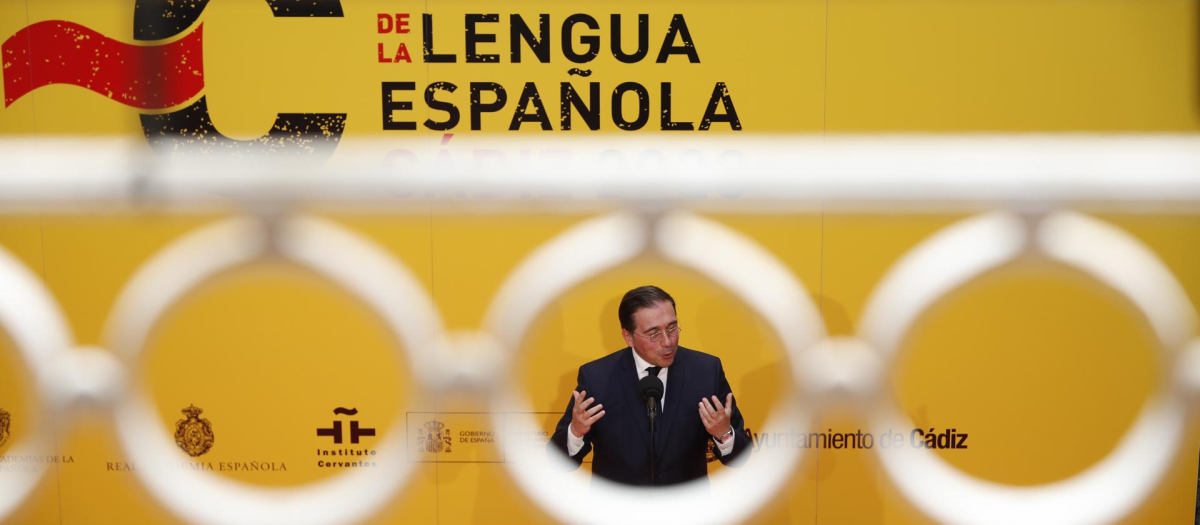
[{"x": 61, "y": 52}]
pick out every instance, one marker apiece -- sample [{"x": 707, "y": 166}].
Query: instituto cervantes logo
[
  {"x": 356, "y": 431},
  {"x": 357, "y": 454},
  {"x": 193, "y": 434},
  {"x": 434, "y": 437},
  {"x": 5, "y": 419}
]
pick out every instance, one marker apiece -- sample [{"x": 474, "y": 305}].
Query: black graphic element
[
  {"x": 191, "y": 129},
  {"x": 312, "y": 8},
  {"x": 335, "y": 431},
  {"x": 345, "y": 411},
  {"x": 159, "y": 19},
  {"x": 580, "y": 72},
  {"x": 315, "y": 134}
]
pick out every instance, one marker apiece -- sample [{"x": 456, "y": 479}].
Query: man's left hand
[{"x": 716, "y": 416}]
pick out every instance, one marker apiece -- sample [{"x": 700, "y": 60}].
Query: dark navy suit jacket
[{"x": 620, "y": 440}]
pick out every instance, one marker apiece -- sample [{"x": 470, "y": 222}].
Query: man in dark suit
[{"x": 606, "y": 415}]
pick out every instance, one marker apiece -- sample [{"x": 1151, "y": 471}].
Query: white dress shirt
[{"x": 574, "y": 444}]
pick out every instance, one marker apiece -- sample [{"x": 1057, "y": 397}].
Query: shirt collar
[{"x": 640, "y": 364}]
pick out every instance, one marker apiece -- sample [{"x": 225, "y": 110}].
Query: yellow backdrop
[{"x": 1044, "y": 368}]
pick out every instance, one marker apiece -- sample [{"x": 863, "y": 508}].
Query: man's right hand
[{"x": 584, "y": 415}]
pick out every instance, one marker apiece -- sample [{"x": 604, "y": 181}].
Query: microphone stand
[
  {"x": 651, "y": 390},
  {"x": 652, "y": 411}
]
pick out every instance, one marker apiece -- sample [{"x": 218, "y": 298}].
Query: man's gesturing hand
[
  {"x": 583, "y": 417},
  {"x": 716, "y": 418}
]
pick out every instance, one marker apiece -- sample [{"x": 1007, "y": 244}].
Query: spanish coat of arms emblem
[
  {"x": 193, "y": 434},
  {"x": 5, "y": 419},
  {"x": 433, "y": 438}
]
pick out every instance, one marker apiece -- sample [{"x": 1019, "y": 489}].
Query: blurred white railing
[{"x": 1026, "y": 192}]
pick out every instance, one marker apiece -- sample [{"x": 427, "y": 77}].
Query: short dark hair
[{"x": 638, "y": 298}]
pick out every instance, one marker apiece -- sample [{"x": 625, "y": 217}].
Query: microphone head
[{"x": 650, "y": 386}]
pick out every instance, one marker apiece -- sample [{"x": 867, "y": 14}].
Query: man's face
[{"x": 654, "y": 338}]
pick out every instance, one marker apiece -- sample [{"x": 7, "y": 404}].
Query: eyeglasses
[{"x": 653, "y": 336}]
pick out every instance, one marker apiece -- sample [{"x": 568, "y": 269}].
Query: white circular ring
[
  {"x": 351, "y": 262},
  {"x": 38, "y": 330},
  {"x": 719, "y": 253},
  {"x": 1105, "y": 491}
]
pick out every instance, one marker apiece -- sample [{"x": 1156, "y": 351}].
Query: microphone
[{"x": 650, "y": 389}]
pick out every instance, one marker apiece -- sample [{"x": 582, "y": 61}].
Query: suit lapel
[
  {"x": 676, "y": 375},
  {"x": 627, "y": 380}
]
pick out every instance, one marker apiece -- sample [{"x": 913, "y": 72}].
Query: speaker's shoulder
[
  {"x": 609, "y": 362},
  {"x": 698, "y": 358}
]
